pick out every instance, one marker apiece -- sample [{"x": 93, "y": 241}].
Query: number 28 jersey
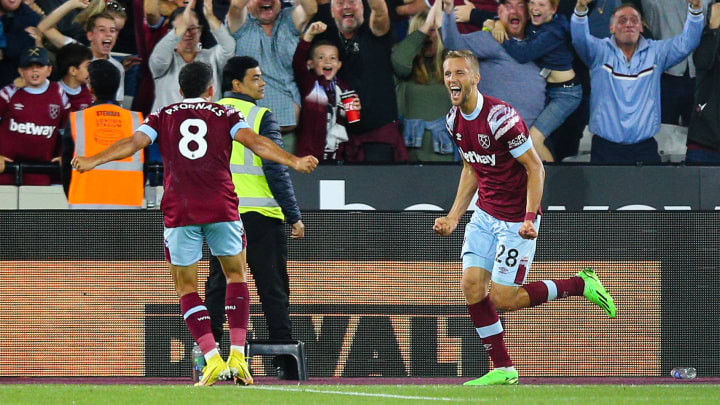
[{"x": 195, "y": 139}]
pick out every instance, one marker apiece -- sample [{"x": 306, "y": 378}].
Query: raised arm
[
  {"x": 302, "y": 13},
  {"x": 119, "y": 150},
  {"x": 480, "y": 43},
  {"x": 586, "y": 45},
  {"x": 675, "y": 49},
  {"x": 54, "y": 18},
  {"x": 267, "y": 149},
  {"x": 379, "y": 17},
  {"x": 237, "y": 14},
  {"x": 47, "y": 24},
  {"x": 404, "y": 52}
]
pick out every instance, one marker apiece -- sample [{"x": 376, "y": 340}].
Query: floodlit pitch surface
[{"x": 224, "y": 393}]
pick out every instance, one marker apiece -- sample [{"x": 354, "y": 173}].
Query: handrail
[{"x": 19, "y": 168}]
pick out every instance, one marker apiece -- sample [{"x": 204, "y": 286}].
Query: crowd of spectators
[{"x": 619, "y": 69}]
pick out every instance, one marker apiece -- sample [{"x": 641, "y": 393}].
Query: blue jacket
[
  {"x": 625, "y": 96},
  {"x": 547, "y": 44}
]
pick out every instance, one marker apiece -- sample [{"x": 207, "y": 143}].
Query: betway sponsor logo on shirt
[
  {"x": 30, "y": 128},
  {"x": 474, "y": 157}
]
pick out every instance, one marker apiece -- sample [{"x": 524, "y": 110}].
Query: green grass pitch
[{"x": 59, "y": 394}]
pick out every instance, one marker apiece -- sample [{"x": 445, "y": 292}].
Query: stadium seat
[{"x": 294, "y": 348}]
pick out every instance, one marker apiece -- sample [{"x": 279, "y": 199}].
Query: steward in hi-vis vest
[
  {"x": 266, "y": 196},
  {"x": 113, "y": 185},
  {"x": 251, "y": 186}
]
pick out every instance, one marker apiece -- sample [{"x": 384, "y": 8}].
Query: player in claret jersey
[
  {"x": 31, "y": 118},
  {"x": 499, "y": 162},
  {"x": 195, "y": 138}
]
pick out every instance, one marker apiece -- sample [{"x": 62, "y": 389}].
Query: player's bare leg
[
  {"x": 197, "y": 319},
  {"x": 475, "y": 283},
  {"x": 237, "y": 309}
]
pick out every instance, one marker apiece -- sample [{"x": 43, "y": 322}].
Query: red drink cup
[{"x": 348, "y": 98}]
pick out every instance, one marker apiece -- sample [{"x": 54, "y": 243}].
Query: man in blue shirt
[{"x": 625, "y": 72}]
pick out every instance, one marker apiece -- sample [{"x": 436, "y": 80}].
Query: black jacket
[{"x": 704, "y": 126}]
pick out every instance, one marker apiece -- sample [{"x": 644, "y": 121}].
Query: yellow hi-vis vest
[
  {"x": 113, "y": 185},
  {"x": 251, "y": 186}
]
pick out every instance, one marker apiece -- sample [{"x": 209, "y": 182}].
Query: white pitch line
[{"x": 357, "y": 394}]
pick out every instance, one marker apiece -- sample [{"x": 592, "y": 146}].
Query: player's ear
[{"x": 210, "y": 92}]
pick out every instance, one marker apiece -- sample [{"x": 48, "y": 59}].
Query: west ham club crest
[{"x": 484, "y": 140}]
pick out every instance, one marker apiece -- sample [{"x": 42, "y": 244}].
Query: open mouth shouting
[{"x": 455, "y": 94}]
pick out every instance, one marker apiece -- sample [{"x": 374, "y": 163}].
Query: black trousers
[{"x": 267, "y": 254}]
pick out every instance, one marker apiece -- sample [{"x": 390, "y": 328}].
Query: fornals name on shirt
[
  {"x": 473, "y": 157},
  {"x": 196, "y": 106},
  {"x": 30, "y": 128}
]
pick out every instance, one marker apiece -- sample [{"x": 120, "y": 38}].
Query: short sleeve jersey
[
  {"x": 490, "y": 139},
  {"x": 80, "y": 97},
  {"x": 31, "y": 120},
  {"x": 195, "y": 139}
]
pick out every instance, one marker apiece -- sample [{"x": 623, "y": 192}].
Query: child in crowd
[
  {"x": 72, "y": 62},
  {"x": 31, "y": 117},
  {"x": 548, "y": 43},
  {"x": 102, "y": 21},
  {"x": 321, "y": 128}
]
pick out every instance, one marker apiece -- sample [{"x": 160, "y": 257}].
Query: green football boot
[
  {"x": 596, "y": 293},
  {"x": 496, "y": 377}
]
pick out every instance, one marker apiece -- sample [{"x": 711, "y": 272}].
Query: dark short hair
[
  {"x": 104, "y": 79},
  {"x": 195, "y": 78},
  {"x": 71, "y": 55},
  {"x": 322, "y": 42},
  {"x": 90, "y": 25},
  {"x": 235, "y": 69}
]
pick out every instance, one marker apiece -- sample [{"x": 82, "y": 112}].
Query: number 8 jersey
[{"x": 195, "y": 139}]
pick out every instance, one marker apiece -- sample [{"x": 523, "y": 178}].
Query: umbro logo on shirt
[{"x": 18, "y": 106}]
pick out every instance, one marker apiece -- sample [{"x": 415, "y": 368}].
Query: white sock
[
  {"x": 240, "y": 349},
  {"x": 511, "y": 368}
]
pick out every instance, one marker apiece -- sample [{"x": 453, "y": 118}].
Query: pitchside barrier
[{"x": 87, "y": 293}]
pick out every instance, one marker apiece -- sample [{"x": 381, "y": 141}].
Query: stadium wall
[{"x": 87, "y": 293}]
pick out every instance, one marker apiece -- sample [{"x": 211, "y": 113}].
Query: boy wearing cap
[{"x": 30, "y": 118}]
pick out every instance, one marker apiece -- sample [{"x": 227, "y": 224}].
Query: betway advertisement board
[{"x": 567, "y": 188}]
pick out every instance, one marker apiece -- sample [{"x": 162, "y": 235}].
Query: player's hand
[
  {"x": 444, "y": 226},
  {"x": 298, "y": 230},
  {"x": 82, "y": 164},
  {"x": 527, "y": 230},
  {"x": 582, "y": 5},
  {"x": 448, "y": 5},
  {"x": 4, "y": 159},
  {"x": 462, "y": 13},
  {"x": 19, "y": 82},
  {"x": 305, "y": 164},
  {"x": 56, "y": 159}
]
